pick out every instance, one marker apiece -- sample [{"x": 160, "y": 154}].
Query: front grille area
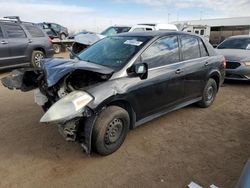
[{"x": 232, "y": 65}]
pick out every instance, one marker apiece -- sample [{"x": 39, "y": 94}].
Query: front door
[
  {"x": 18, "y": 43},
  {"x": 4, "y": 50},
  {"x": 164, "y": 86}
]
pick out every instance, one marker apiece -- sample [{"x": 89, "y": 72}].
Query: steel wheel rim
[
  {"x": 113, "y": 131},
  {"x": 37, "y": 59},
  {"x": 210, "y": 93}
]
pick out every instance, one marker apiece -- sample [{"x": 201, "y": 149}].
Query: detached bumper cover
[{"x": 21, "y": 79}]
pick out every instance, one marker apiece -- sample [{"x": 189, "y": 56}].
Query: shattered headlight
[{"x": 68, "y": 107}]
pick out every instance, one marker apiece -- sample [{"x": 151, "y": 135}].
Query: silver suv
[{"x": 22, "y": 43}]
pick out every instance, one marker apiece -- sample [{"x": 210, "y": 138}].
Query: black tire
[
  {"x": 209, "y": 94},
  {"x": 36, "y": 58},
  {"x": 110, "y": 130},
  {"x": 63, "y": 36}
]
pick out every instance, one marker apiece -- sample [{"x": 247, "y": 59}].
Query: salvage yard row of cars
[{"x": 121, "y": 81}]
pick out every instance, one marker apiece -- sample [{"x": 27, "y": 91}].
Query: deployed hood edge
[{"x": 55, "y": 69}]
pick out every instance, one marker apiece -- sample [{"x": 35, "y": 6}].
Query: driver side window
[{"x": 164, "y": 51}]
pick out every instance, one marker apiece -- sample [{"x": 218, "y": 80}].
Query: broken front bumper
[
  {"x": 74, "y": 127},
  {"x": 79, "y": 130},
  {"x": 240, "y": 73}
]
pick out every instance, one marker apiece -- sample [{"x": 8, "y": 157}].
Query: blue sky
[{"x": 96, "y": 15}]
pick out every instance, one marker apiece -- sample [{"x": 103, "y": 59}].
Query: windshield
[
  {"x": 115, "y": 30},
  {"x": 235, "y": 43},
  {"x": 113, "y": 52}
]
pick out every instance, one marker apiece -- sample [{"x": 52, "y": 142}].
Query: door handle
[
  {"x": 4, "y": 42},
  {"x": 178, "y": 71},
  {"x": 206, "y": 64},
  {"x": 30, "y": 41}
]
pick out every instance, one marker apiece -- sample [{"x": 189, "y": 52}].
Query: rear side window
[
  {"x": 1, "y": 33},
  {"x": 203, "y": 49},
  {"x": 34, "y": 31},
  {"x": 138, "y": 29},
  {"x": 190, "y": 47},
  {"x": 14, "y": 31},
  {"x": 162, "y": 52}
]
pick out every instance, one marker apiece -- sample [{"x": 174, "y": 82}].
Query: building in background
[{"x": 216, "y": 29}]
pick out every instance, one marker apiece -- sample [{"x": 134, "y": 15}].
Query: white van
[{"x": 155, "y": 27}]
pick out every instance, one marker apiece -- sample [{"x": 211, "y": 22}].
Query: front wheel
[
  {"x": 209, "y": 94},
  {"x": 110, "y": 130}
]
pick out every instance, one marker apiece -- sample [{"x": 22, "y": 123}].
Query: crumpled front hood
[
  {"x": 235, "y": 54},
  {"x": 56, "y": 68}
]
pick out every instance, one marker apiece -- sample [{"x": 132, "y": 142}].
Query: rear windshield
[
  {"x": 235, "y": 43},
  {"x": 34, "y": 30}
]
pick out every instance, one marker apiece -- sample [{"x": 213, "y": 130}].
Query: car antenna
[{"x": 72, "y": 53}]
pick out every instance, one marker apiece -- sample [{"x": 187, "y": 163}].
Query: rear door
[
  {"x": 18, "y": 43},
  {"x": 164, "y": 86},
  {"x": 4, "y": 49},
  {"x": 196, "y": 63}
]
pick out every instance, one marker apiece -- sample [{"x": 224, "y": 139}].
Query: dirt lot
[{"x": 208, "y": 146}]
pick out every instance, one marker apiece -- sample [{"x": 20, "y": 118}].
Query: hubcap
[
  {"x": 210, "y": 93},
  {"x": 113, "y": 131},
  {"x": 37, "y": 59}
]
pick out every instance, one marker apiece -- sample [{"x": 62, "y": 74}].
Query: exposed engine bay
[
  {"x": 77, "y": 80},
  {"x": 60, "y": 88}
]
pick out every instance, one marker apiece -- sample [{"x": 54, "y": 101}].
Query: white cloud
[
  {"x": 69, "y": 15},
  {"x": 72, "y": 16},
  {"x": 226, "y": 7},
  {"x": 80, "y": 17}
]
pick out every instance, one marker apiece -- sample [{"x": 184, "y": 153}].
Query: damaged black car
[{"x": 121, "y": 82}]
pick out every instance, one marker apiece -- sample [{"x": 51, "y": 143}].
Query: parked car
[
  {"x": 121, "y": 82},
  {"x": 83, "y": 41},
  {"x": 54, "y": 30},
  {"x": 236, "y": 50},
  {"x": 244, "y": 181},
  {"x": 72, "y": 36},
  {"x": 22, "y": 43}
]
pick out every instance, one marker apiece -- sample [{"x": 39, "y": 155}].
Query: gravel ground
[{"x": 208, "y": 146}]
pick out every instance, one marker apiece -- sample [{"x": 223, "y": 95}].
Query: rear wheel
[
  {"x": 62, "y": 36},
  {"x": 110, "y": 130},
  {"x": 209, "y": 94},
  {"x": 57, "y": 48},
  {"x": 36, "y": 58}
]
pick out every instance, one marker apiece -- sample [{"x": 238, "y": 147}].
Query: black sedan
[
  {"x": 236, "y": 50},
  {"x": 121, "y": 82}
]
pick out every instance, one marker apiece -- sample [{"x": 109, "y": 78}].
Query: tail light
[
  {"x": 50, "y": 40},
  {"x": 225, "y": 63}
]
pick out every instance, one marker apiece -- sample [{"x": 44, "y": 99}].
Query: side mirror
[{"x": 140, "y": 69}]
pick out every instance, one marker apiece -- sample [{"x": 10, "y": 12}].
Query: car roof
[
  {"x": 16, "y": 22},
  {"x": 154, "y": 34},
  {"x": 239, "y": 36}
]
